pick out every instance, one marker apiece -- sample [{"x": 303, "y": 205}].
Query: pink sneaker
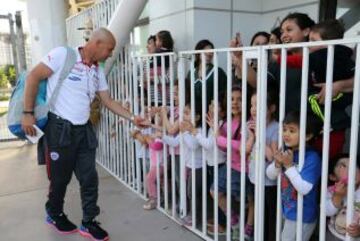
[
  {"x": 187, "y": 220},
  {"x": 249, "y": 232},
  {"x": 234, "y": 219}
]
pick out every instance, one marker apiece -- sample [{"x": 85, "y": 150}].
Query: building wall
[
  {"x": 47, "y": 26},
  {"x": 175, "y": 16},
  {"x": 276, "y": 10},
  {"x": 218, "y": 20}
]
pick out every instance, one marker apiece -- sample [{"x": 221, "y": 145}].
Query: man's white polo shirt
[{"x": 78, "y": 89}]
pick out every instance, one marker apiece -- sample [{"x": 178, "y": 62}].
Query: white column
[
  {"x": 121, "y": 24},
  {"x": 47, "y": 26}
]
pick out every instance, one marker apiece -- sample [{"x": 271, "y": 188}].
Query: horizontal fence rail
[{"x": 206, "y": 160}]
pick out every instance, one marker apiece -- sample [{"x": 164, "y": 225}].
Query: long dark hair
[
  {"x": 223, "y": 106},
  {"x": 200, "y": 46},
  {"x": 333, "y": 161},
  {"x": 151, "y": 37},
  {"x": 262, "y": 33},
  {"x": 277, "y": 32},
  {"x": 301, "y": 19},
  {"x": 197, "y": 111},
  {"x": 313, "y": 123},
  {"x": 166, "y": 39}
]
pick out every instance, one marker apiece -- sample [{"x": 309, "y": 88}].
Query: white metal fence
[
  {"x": 149, "y": 80},
  {"x": 134, "y": 77}
]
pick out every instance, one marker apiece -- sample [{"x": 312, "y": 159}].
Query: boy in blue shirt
[{"x": 293, "y": 180}]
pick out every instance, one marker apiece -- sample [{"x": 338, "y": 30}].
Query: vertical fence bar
[
  {"x": 204, "y": 107},
  {"x": 127, "y": 160},
  {"x": 282, "y": 99},
  {"x": 181, "y": 73},
  {"x": 142, "y": 100},
  {"x": 193, "y": 174},
  {"x": 216, "y": 161},
  {"x": 131, "y": 106},
  {"x": 148, "y": 106},
  {"x": 257, "y": 213},
  {"x": 303, "y": 108},
  {"x": 112, "y": 124},
  {"x": 228, "y": 147},
  {"x": 262, "y": 128},
  {"x": 243, "y": 147},
  {"x": 164, "y": 102},
  {"x": 122, "y": 146},
  {"x": 128, "y": 101},
  {"x": 326, "y": 140},
  {"x": 126, "y": 157},
  {"x": 353, "y": 143},
  {"x": 172, "y": 155},
  {"x": 117, "y": 145},
  {"x": 136, "y": 112},
  {"x": 155, "y": 71}
]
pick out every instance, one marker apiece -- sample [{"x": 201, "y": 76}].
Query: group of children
[{"x": 284, "y": 163}]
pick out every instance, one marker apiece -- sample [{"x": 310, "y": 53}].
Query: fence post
[
  {"x": 13, "y": 44},
  {"x": 20, "y": 42}
]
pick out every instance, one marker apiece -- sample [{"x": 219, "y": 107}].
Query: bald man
[{"x": 70, "y": 138}]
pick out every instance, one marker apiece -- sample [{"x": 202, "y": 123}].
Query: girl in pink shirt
[
  {"x": 156, "y": 157},
  {"x": 235, "y": 157}
]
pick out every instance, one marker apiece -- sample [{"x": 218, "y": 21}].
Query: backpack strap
[{"x": 70, "y": 61}]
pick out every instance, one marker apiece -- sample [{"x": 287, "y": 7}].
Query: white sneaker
[{"x": 150, "y": 204}]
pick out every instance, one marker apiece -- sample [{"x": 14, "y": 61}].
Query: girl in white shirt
[
  {"x": 208, "y": 144},
  {"x": 193, "y": 158}
]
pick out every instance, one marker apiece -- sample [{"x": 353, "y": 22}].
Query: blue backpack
[{"x": 42, "y": 106}]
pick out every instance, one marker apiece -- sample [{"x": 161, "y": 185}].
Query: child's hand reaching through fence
[
  {"x": 284, "y": 158},
  {"x": 185, "y": 126},
  {"x": 277, "y": 158},
  {"x": 134, "y": 133},
  {"x": 354, "y": 230},
  {"x": 210, "y": 119}
]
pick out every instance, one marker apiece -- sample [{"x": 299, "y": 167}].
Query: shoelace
[
  {"x": 95, "y": 224},
  {"x": 62, "y": 217}
]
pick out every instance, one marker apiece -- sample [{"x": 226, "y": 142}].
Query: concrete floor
[{"x": 23, "y": 189}]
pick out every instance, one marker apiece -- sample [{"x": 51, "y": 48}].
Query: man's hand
[
  {"x": 27, "y": 123},
  {"x": 141, "y": 122},
  {"x": 336, "y": 89}
]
